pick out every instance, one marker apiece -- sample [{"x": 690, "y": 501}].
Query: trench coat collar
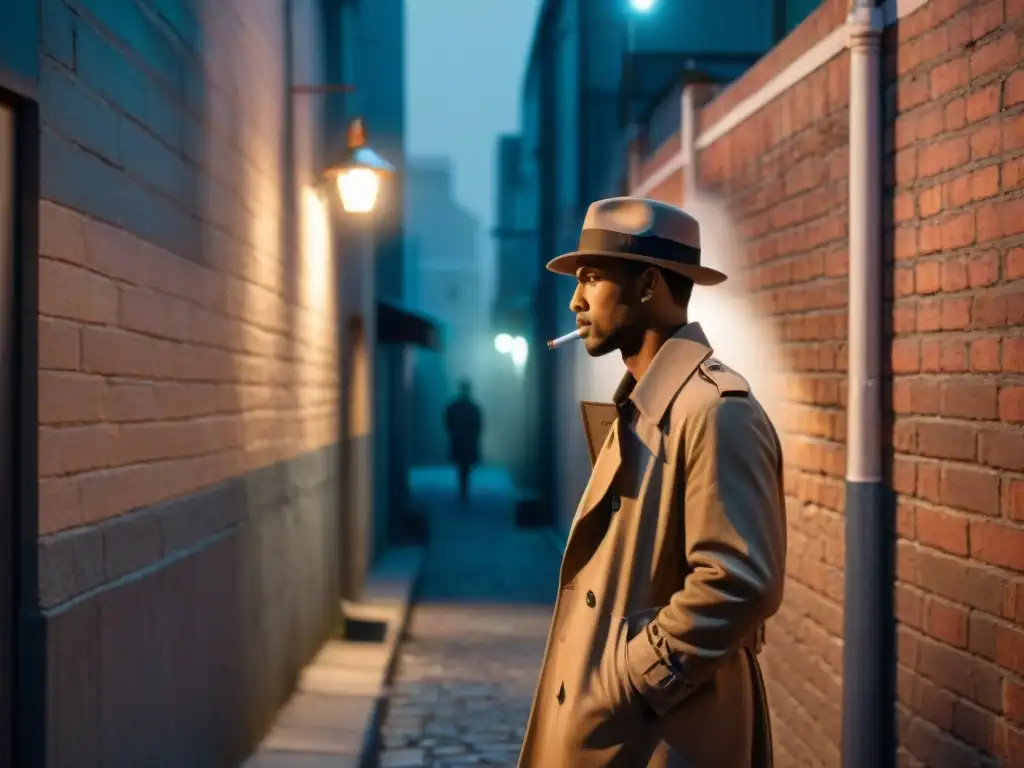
[{"x": 671, "y": 367}]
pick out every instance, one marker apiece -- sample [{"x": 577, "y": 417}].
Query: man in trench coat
[{"x": 676, "y": 555}]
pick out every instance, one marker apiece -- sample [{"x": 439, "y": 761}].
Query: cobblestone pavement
[{"x": 467, "y": 669}]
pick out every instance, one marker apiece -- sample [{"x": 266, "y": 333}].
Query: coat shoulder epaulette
[{"x": 727, "y": 381}]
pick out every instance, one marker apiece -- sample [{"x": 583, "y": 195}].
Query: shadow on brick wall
[
  {"x": 893, "y": 480},
  {"x": 898, "y": 478}
]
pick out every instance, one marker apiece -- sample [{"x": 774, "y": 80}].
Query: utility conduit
[{"x": 869, "y": 664}]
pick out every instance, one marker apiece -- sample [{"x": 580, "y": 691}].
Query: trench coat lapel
[
  {"x": 609, "y": 461},
  {"x": 677, "y": 360}
]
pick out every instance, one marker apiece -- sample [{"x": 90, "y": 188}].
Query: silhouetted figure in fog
[{"x": 464, "y": 421}]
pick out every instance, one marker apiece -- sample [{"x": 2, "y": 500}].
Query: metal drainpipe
[
  {"x": 869, "y": 665},
  {"x": 688, "y": 142}
]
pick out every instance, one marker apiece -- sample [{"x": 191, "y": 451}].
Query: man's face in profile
[{"x": 604, "y": 304}]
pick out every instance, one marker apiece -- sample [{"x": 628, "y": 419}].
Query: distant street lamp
[
  {"x": 520, "y": 351},
  {"x": 503, "y": 343},
  {"x": 359, "y": 176},
  {"x": 628, "y": 75},
  {"x": 513, "y": 346}
]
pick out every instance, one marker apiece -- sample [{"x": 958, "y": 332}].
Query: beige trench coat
[{"x": 675, "y": 559}]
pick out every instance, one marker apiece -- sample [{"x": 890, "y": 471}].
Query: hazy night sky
[{"x": 464, "y": 64}]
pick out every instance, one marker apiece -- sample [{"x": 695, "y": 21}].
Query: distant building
[
  {"x": 372, "y": 60},
  {"x": 445, "y": 240},
  {"x": 515, "y": 237}
]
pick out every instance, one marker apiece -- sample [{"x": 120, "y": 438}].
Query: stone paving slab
[
  {"x": 463, "y": 686},
  {"x": 469, "y": 663},
  {"x": 333, "y": 717},
  {"x": 298, "y": 760}
]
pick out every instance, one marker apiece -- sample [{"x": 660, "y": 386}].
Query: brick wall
[
  {"x": 188, "y": 391},
  {"x": 670, "y": 189},
  {"x": 178, "y": 344},
  {"x": 955, "y": 116},
  {"x": 782, "y": 175},
  {"x": 954, "y": 223}
]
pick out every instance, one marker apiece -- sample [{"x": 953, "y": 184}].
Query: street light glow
[
  {"x": 513, "y": 346},
  {"x": 520, "y": 351},
  {"x": 503, "y": 343},
  {"x": 358, "y": 188},
  {"x": 642, "y": 6}
]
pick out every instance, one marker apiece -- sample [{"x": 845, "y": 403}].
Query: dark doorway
[
  {"x": 356, "y": 457},
  {"x": 21, "y": 653},
  {"x": 19, "y": 170},
  {"x": 8, "y": 524}
]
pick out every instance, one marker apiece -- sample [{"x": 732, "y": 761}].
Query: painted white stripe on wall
[
  {"x": 893, "y": 10},
  {"x": 817, "y": 56},
  {"x": 673, "y": 165}
]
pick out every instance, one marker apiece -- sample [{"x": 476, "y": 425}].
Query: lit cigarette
[{"x": 555, "y": 343}]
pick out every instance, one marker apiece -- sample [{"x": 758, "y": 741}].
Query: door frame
[
  {"x": 357, "y": 459},
  {"x": 22, "y": 648}
]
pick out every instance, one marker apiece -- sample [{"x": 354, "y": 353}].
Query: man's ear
[{"x": 648, "y": 283}]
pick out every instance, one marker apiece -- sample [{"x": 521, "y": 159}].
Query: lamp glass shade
[{"x": 358, "y": 187}]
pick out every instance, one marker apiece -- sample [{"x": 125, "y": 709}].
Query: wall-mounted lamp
[{"x": 359, "y": 175}]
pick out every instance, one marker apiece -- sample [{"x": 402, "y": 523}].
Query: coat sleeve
[{"x": 728, "y": 474}]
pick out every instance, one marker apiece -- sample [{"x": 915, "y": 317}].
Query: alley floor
[{"x": 467, "y": 669}]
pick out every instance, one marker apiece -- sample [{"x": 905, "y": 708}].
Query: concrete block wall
[
  {"x": 188, "y": 382},
  {"x": 954, "y": 232}
]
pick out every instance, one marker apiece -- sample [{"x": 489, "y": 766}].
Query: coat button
[
  {"x": 561, "y": 693},
  {"x": 591, "y": 600}
]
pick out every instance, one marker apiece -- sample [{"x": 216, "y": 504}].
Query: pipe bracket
[{"x": 864, "y": 25}]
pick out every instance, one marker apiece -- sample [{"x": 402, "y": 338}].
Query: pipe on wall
[
  {"x": 688, "y": 142},
  {"x": 869, "y": 666}
]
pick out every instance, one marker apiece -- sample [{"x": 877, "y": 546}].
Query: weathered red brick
[
  {"x": 985, "y": 355},
  {"x": 968, "y": 488},
  {"x": 67, "y": 291},
  {"x": 1001, "y": 52},
  {"x": 59, "y": 347},
  {"x": 943, "y": 156},
  {"x": 1002, "y": 448},
  {"x": 1013, "y": 499},
  {"x": 947, "y": 622},
  {"x": 1013, "y": 89},
  {"x": 1011, "y": 404},
  {"x": 986, "y": 17},
  {"x": 942, "y": 530},
  {"x": 969, "y": 399}
]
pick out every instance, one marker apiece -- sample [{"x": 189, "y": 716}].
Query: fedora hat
[{"x": 638, "y": 229}]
